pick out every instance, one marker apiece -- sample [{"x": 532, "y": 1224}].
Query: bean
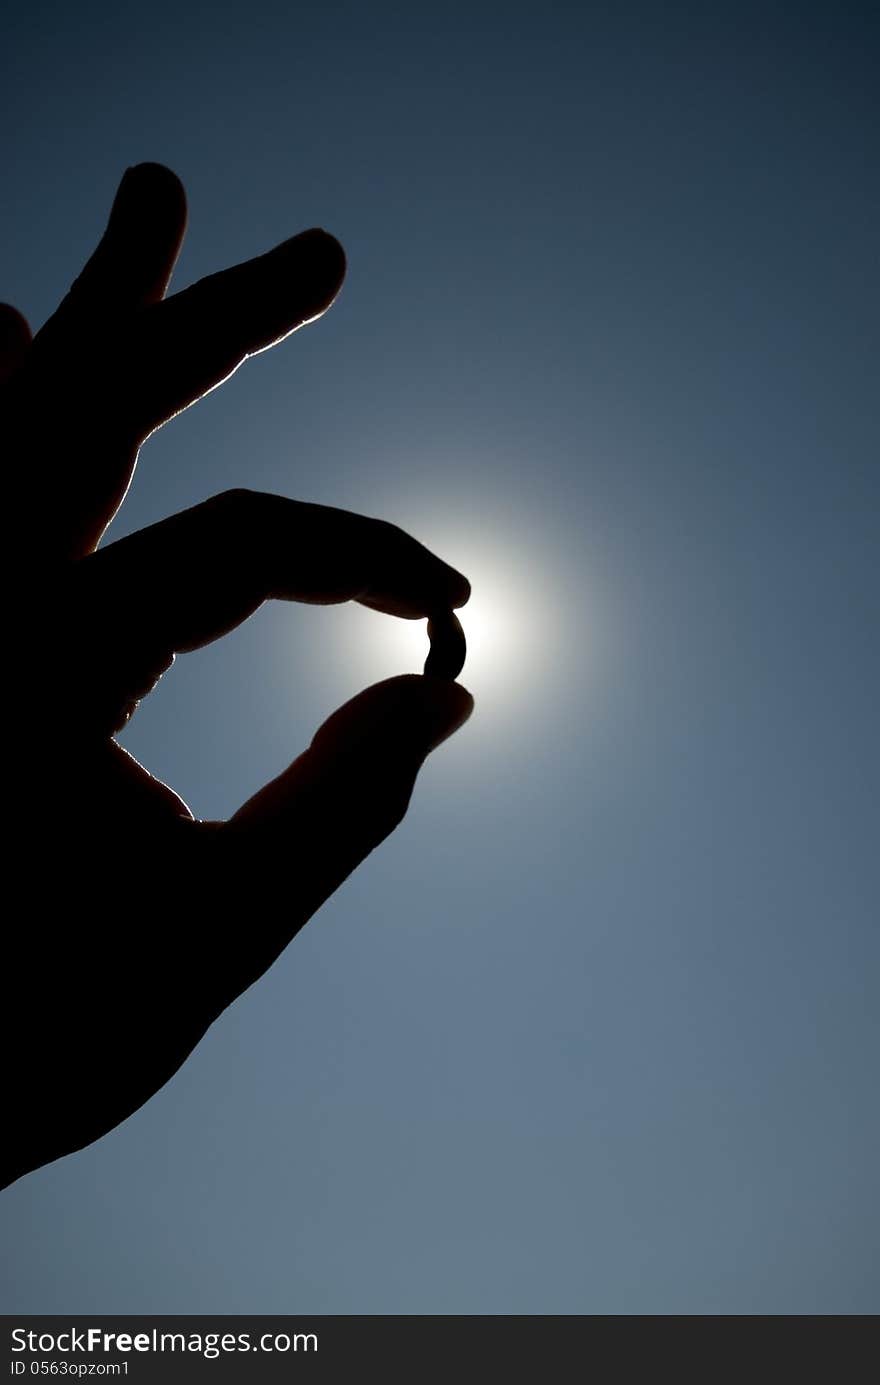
[{"x": 448, "y": 648}]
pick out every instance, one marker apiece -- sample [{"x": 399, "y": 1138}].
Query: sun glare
[
  {"x": 490, "y": 626},
  {"x": 510, "y": 622},
  {"x": 536, "y": 630}
]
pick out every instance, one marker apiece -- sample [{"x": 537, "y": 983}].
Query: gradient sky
[{"x": 595, "y": 1031}]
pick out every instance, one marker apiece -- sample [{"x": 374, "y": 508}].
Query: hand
[{"x": 132, "y": 926}]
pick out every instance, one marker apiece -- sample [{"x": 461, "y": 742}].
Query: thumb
[
  {"x": 365, "y": 756},
  {"x": 291, "y": 845},
  {"x": 404, "y": 716}
]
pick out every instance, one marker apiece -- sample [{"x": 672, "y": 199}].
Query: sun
[
  {"x": 532, "y": 627},
  {"x": 488, "y": 623},
  {"x": 509, "y": 626}
]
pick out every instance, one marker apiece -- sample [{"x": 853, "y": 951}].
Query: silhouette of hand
[{"x": 133, "y": 925}]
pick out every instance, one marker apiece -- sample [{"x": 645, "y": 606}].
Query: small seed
[{"x": 448, "y": 647}]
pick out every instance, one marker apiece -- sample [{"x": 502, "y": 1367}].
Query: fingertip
[
  {"x": 324, "y": 244},
  {"x": 440, "y": 707},
  {"x": 458, "y": 708},
  {"x": 462, "y": 591},
  {"x": 158, "y": 179},
  {"x": 319, "y": 264},
  {"x": 453, "y": 588},
  {"x": 150, "y": 196}
]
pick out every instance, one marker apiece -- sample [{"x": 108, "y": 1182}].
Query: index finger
[
  {"x": 191, "y": 342},
  {"x": 191, "y": 578}
]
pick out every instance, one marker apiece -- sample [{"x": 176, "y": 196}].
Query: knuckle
[
  {"x": 240, "y": 509},
  {"x": 237, "y": 499}
]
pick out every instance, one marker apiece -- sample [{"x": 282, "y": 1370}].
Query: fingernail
[
  {"x": 319, "y": 256},
  {"x": 440, "y": 709},
  {"x": 462, "y": 594},
  {"x": 321, "y": 247},
  {"x": 406, "y": 716},
  {"x": 147, "y": 190}
]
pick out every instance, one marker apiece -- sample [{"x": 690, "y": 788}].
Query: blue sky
[{"x": 596, "y": 1030}]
